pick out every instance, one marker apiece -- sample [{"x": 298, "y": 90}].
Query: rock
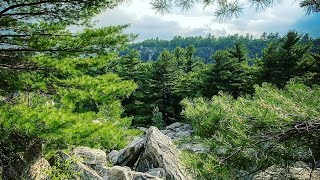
[
  {"x": 174, "y": 126},
  {"x": 103, "y": 171},
  {"x": 122, "y": 173},
  {"x": 185, "y": 127},
  {"x": 171, "y": 135},
  {"x": 166, "y": 131},
  {"x": 194, "y": 147},
  {"x": 183, "y": 134},
  {"x": 178, "y": 130},
  {"x": 38, "y": 170},
  {"x": 142, "y": 129},
  {"x": 299, "y": 171},
  {"x": 86, "y": 173},
  {"x": 59, "y": 156},
  {"x": 113, "y": 156},
  {"x": 90, "y": 156},
  {"x": 160, "y": 152},
  {"x": 158, "y": 172},
  {"x": 129, "y": 155}
]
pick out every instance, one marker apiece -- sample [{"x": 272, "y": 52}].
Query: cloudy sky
[{"x": 198, "y": 21}]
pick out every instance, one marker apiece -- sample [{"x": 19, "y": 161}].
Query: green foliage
[
  {"x": 161, "y": 84},
  {"x": 230, "y": 72},
  {"x": 157, "y": 118},
  {"x": 63, "y": 169},
  {"x": 251, "y": 133},
  {"x": 62, "y": 127},
  {"x": 57, "y": 85},
  {"x": 285, "y": 59},
  {"x": 206, "y": 166},
  {"x": 205, "y": 45}
]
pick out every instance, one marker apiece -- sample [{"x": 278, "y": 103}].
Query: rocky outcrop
[
  {"x": 160, "y": 152},
  {"x": 38, "y": 170},
  {"x": 158, "y": 172},
  {"x": 299, "y": 171},
  {"x": 153, "y": 157},
  {"x": 113, "y": 156},
  {"x": 86, "y": 173},
  {"x": 195, "y": 147},
  {"x": 123, "y": 173},
  {"x": 90, "y": 156},
  {"x": 178, "y": 132},
  {"x": 129, "y": 155}
]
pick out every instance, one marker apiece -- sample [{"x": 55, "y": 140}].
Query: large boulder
[
  {"x": 158, "y": 172},
  {"x": 299, "y": 171},
  {"x": 160, "y": 152},
  {"x": 81, "y": 171},
  {"x": 122, "y": 173},
  {"x": 113, "y": 156},
  {"x": 86, "y": 173},
  {"x": 129, "y": 155},
  {"x": 90, "y": 156},
  {"x": 38, "y": 170}
]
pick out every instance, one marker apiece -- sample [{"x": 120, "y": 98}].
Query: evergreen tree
[
  {"x": 55, "y": 87},
  {"x": 230, "y": 73},
  {"x": 163, "y": 77},
  {"x": 281, "y": 60}
]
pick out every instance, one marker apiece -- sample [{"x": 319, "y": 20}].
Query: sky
[{"x": 147, "y": 23}]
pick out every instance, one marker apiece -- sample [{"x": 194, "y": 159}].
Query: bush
[{"x": 251, "y": 133}]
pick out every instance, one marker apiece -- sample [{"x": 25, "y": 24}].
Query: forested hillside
[
  {"x": 180, "y": 73},
  {"x": 206, "y": 46}
]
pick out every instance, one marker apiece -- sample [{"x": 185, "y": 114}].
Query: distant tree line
[{"x": 205, "y": 46}]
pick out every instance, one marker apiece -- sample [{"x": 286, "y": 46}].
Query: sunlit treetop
[{"x": 229, "y": 8}]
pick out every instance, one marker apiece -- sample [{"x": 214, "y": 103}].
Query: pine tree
[
  {"x": 229, "y": 73},
  {"x": 163, "y": 77},
  {"x": 281, "y": 60}
]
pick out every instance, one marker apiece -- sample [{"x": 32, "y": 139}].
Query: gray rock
[
  {"x": 129, "y": 155},
  {"x": 90, "y": 156},
  {"x": 299, "y": 171},
  {"x": 122, "y": 173},
  {"x": 183, "y": 134},
  {"x": 158, "y": 172},
  {"x": 160, "y": 152},
  {"x": 142, "y": 129},
  {"x": 194, "y": 147},
  {"x": 113, "y": 156},
  {"x": 38, "y": 170},
  {"x": 103, "y": 171},
  {"x": 83, "y": 172},
  {"x": 86, "y": 173},
  {"x": 185, "y": 127},
  {"x": 166, "y": 131},
  {"x": 171, "y": 135},
  {"x": 174, "y": 126},
  {"x": 178, "y": 131}
]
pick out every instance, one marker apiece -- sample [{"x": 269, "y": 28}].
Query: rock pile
[
  {"x": 153, "y": 157},
  {"x": 299, "y": 171},
  {"x": 180, "y": 131}
]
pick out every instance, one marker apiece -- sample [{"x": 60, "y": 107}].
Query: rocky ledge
[{"x": 152, "y": 157}]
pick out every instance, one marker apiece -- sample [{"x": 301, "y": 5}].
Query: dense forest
[
  {"x": 206, "y": 46},
  {"x": 253, "y": 101}
]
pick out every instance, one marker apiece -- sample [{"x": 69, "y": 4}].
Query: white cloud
[{"x": 198, "y": 21}]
